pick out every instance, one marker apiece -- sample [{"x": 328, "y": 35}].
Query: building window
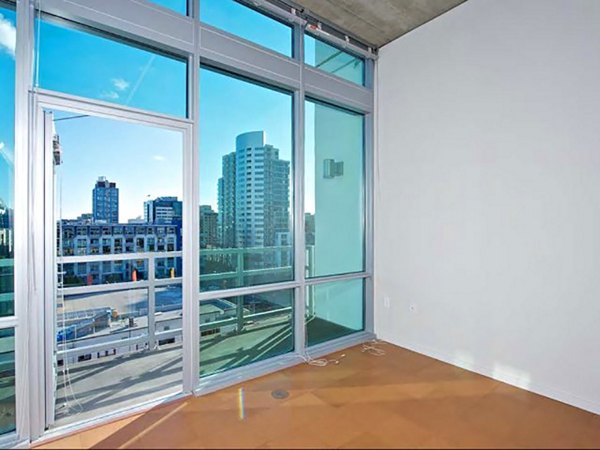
[
  {"x": 334, "y": 190},
  {"x": 232, "y": 254},
  {"x": 333, "y": 60},
  {"x": 334, "y": 310},
  {"x": 247, "y": 23},
  {"x": 87, "y": 64}
]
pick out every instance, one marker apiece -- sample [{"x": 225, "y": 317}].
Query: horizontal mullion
[
  {"x": 329, "y": 88},
  {"x": 334, "y": 278},
  {"x": 236, "y": 292},
  {"x": 222, "y": 50},
  {"x": 245, "y": 273},
  {"x": 87, "y": 105}
]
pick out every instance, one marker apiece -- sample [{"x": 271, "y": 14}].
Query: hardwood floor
[{"x": 399, "y": 400}]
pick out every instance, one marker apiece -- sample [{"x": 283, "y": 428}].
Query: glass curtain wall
[
  {"x": 243, "y": 105},
  {"x": 7, "y": 204}
]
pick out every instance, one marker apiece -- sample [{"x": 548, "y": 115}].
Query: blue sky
[
  {"x": 87, "y": 65},
  {"x": 7, "y": 95}
]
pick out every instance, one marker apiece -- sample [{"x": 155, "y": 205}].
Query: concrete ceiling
[{"x": 378, "y": 22}]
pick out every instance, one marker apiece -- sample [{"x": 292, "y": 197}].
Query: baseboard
[{"x": 503, "y": 376}]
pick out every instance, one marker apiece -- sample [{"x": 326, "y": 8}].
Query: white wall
[{"x": 488, "y": 193}]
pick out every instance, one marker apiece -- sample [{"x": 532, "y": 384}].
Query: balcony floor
[{"x": 101, "y": 386}]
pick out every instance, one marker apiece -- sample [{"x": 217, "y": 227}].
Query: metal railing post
[{"x": 151, "y": 303}]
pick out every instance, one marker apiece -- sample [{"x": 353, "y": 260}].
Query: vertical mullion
[
  {"x": 299, "y": 241},
  {"x": 23, "y": 77},
  {"x": 369, "y": 155},
  {"x": 191, "y": 260}
]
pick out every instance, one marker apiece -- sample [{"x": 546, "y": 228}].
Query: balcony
[{"x": 120, "y": 343}]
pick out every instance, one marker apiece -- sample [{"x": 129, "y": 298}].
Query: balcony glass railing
[{"x": 118, "y": 304}]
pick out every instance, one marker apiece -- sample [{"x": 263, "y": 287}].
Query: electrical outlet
[
  {"x": 386, "y": 301},
  {"x": 413, "y": 308}
]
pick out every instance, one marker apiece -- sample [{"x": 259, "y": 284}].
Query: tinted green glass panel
[
  {"x": 331, "y": 59},
  {"x": 334, "y": 310},
  {"x": 334, "y": 190},
  {"x": 7, "y": 381}
]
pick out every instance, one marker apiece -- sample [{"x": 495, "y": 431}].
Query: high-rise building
[
  {"x": 208, "y": 227},
  {"x": 261, "y": 192},
  {"x": 226, "y": 202},
  {"x": 6, "y": 232},
  {"x": 105, "y": 201},
  {"x": 163, "y": 210}
]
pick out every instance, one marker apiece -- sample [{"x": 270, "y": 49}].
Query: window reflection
[{"x": 334, "y": 190}]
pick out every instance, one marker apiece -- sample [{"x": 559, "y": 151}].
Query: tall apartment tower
[
  {"x": 261, "y": 192},
  {"x": 226, "y": 202},
  {"x": 105, "y": 201}
]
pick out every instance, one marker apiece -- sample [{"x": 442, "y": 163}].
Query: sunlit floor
[{"x": 401, "y": 399}]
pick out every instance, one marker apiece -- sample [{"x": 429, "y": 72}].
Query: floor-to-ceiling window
[
  {"x": 7, "y": 206},
  {"x": 202, "y": 172}
]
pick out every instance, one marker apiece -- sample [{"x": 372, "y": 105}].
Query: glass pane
[
  {"x": 7, "y": 381},
  {"x": 245, "y": 22},
  {"x": 243, "y": 330},
  {"x": 118, "y": 209},
  {"x": 334, "y": 186},
  {"x": 179, "y": 6},
  {"x": 334, "y": 310},
  {"x": 331, "y": 59},
  {"x": 89, "y": 65},
  {"x": 245, "y": 183},
  {"x": 7, "y": 144}
]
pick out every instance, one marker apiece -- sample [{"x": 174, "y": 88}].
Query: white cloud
[
  {"x": 110, "y": 95},
  {"x": 8, "y": 36},
  {"x": 120, "y": 84},
  {"x": 158, "y": 158}
]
